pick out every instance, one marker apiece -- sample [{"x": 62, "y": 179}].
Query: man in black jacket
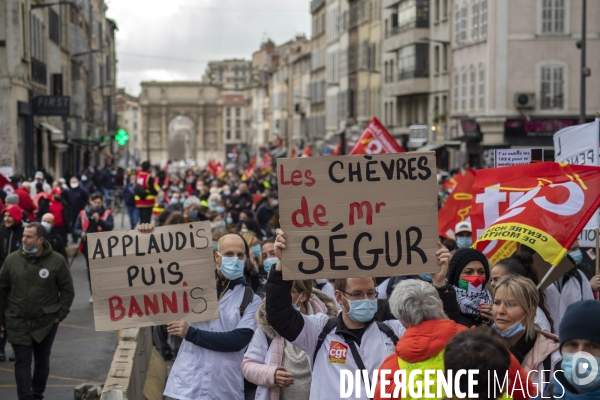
[
  {"x": 242, "y": 200},
  {"x": 55, "y": 240}
]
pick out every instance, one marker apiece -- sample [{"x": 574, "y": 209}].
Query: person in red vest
[
  {"x": 94, "y": 218},
  {"x": 25, "y": 201},
  {"x": 55, "y": 205},
  {"x": 145, "y": 193}
]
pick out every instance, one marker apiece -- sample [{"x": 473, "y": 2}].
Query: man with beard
[{"x": 94, "y": 218}]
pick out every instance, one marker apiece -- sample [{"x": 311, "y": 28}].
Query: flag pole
[{"x": 546, "y": 276}]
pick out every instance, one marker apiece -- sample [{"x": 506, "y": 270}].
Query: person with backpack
[
  {"x": 280, "y": 369},
  {"x": 351, "y": 341},
  {"x": 208, "y": 365}
]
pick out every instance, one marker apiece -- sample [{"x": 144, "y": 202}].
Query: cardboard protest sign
[
  {"x": 542, "y": 267},
  {"x": 141, "y": 279},
  {"x": 359, "y": 216}
]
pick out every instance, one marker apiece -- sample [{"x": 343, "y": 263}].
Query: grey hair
[
  {"x": 414, "y": 301},
  {"x": 12, "y": 199},
  {"x": 191, "y": 201}
]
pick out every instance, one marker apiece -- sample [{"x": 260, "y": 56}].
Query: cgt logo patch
[{"x": 337, "y": 353}]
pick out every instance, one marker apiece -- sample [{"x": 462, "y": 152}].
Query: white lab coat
[
  {"x": 542, "y": 321},
  {"x": 557, "y": 303},
  {"x": 202, "y": 374},
  {"x": 375, "y": 347}
]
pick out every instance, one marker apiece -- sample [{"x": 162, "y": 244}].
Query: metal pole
[{"x": 582, "y": 73}]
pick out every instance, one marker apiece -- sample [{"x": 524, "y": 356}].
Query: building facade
[
  {"x": 234, "y": 74},
  {"x": 129, "y": 119},
  {"x": 65, "y": 52}
]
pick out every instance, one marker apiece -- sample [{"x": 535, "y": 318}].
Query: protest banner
[
  {"x": 359, "y": 216},
  {"x": 553, "y": 202},
  {"x": 376, "y": 140},
  {"x": 457, "y": 206},
  {"x": 512, "y": 157},
  {"x": 579, "y": 145},
  {"x": 141, "y": 279}
]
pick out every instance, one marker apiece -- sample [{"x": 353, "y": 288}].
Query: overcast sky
[{"x": 174, "y": 39}]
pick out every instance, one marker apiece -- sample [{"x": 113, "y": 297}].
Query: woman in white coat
[
  {"x": 516, "y": 299},
  {"x": 280, "y": 369}
]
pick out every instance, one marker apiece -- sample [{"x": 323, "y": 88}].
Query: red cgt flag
[
  {"x": 376, "y": 140},
  {"x": 266, "y": 165},
  {"x": 307, "y": 152},
  {"x": 249, "y": 172},
  {"x": 457, "y": 206},
  {"x": 293, "y": 154},
  {"x": 543, "y": 206}
]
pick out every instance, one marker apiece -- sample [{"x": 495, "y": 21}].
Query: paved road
[{"x": 80, "y": 354}]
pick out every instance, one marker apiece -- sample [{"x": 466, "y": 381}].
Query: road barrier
[{"x": 137, "y": 370}]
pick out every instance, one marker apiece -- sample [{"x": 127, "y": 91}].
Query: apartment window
[
  {"x": 463, "y": 22},
  {"x": 463, "y": 89},
  {"x": 54, "y": 26},
  {"x": 481, "y": 93},
  {"x": 475, "y": 20},
  {"x": 456, "y": 91},
  {"x": 457, "y": 24},
  {"x": 37, "y": 50},
  {"x": 553, "y": 16},
  {"x": 551, "y": 93},
  {"x": 483, "y": 15},
  {"x": 238, "y": 112},
  {"x": 238, "y": 135},
  {"x": 238, "y": 123},
  {"x": 406, "y": 61},
  {"x": 228, "y": 123},
  {"x": 437, "y": 10},
  {"x": 445, "y": 58},
  {"x": 472, "y": 83},
  {"x": 23, "y": 31},
  {"x": 436, "y": 106},
  {"x": 228, "y": 135},
  {"x": 228, "y": 111},
  {"x": 436, "y": 58},
  {"x": 444, "y": 8},
  {"x": 444, "y": 104}
]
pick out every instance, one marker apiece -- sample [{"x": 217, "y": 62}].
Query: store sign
[
  {"x": 510, "y": 157},
  {"x": 536, "y": 132},
  {"x": 52, "y": 105}
]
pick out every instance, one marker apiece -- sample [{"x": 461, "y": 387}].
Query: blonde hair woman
[{"x": 516, "y": 299}]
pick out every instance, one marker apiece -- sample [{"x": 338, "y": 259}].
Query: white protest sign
[
  {"x": 579, "y": 145},
  {"x": 512, "y": 157}
]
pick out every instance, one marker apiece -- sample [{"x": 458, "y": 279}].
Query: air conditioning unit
[{"x": 525, "y": 100}]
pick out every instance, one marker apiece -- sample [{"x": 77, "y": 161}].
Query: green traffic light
[{"x": 122, "y": 137}]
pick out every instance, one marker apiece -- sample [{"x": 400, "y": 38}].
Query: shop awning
[{"x": 56, "y": 135}]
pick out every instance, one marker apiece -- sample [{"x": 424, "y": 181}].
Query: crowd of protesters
[{"x": 291, "y": 340}]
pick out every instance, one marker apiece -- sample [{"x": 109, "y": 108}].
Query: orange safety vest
[
  {"x": 85, "y": 223},
  {"x": 142, "y": 180}
]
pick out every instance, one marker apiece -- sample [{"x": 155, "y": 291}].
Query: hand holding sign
[
  {"x": 178, "y": 328},
  {"x": 279, "y": 247}
]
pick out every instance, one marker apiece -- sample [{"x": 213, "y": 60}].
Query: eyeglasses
[{"x": 361, "y": 295}]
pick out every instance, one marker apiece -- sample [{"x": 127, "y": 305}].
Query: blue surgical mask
[
  {"x": 256, "y": 250},
  {"x": 215, "y": 246},
  {"x": 232, "y": 267},
  {"x": 213, "y": 204},
  {"x": 229, "y": 220},
  {"x": 570, "y": 369},
  {"x": 297, "y": 307},
  {"x": 511, "y": 331},
  {"x": 182, "y": 200},
  {"x": 577, "y": 256},
  {"x": 269, "y": 263},
  {"x": 464, "y": 242},
  {"x": 362, "y": 310},
  {"x": 426, "y": 277},
  {"x": 174, "y": 201},
  {"x": 220, "y": 209},
  {"x": 193, "y": 214},
  {"x": 32, "y": 251}
]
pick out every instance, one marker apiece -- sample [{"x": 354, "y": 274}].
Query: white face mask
[{"x": 74, "y": 185}]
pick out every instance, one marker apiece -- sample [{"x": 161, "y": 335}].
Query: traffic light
[{"x": 122, "y": 137}]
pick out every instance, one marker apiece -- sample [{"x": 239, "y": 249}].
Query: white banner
[{"x": 579, "y": 145}]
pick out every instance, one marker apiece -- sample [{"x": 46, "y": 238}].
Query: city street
[{"x": 80, "y": 354}]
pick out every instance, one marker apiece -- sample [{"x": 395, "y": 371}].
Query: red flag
[
  {"x": 6, "y": 185},
  {"x": 293, "y": 153},
  {"x": 249, "y": 172},
  {"x": 210, "y": 166},
  {"x": 307, "y": 152},
  {"x": 266, "y": 165},
  {"x": 457, "y": 206},
  {"x": 219, "y": 170},
  {"x": 543, "y": 206},
  {"x": 376, "y": 140},
  {"x": 338, "y": 149}
]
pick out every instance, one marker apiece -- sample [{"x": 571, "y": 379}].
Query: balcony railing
[
  {"x": 39, "y": 73},
  {"x": 415, "y": 73}
]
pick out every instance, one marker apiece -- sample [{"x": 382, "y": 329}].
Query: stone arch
[{"x": 181, "y": 131}]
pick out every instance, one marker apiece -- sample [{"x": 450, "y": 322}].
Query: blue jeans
[{"x": 134, "y": 215}]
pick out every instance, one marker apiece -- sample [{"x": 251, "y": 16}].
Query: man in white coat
[{"x": 208, "y": 365}]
